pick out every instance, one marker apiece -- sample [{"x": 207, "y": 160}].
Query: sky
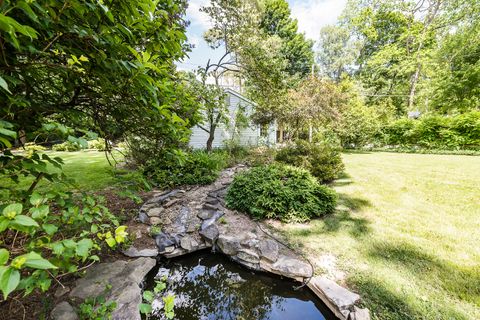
[{"x": 312, "y": 15}]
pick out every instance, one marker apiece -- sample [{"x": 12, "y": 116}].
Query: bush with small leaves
[
  {"x": 323, "y": 160},
  {"x": 280, "y": 192}
]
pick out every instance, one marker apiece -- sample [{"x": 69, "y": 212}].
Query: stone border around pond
[{"x": 194, "y": 220}]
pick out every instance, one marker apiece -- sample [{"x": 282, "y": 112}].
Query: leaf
[
  {"x": 7, "y": 132},
  {"x": 12, "y": 210},
  {"x": 4, "y": 255},
  {"x": 4, "y": 85},
  {"x": 36, "y": 199},
  {"x": 83, "y": 247},
  {"x": 50, "y": 229},
  {"x": 111, "y": 242},
  {"x": 57, "y": 248},
  {"x": 34, "y": 260},
  {"x": 159, "y": 287},
  {"x": 145, "y": 308},
  {"x": 9, "y": 280},
  {"x": 25, "y": 221},
  {"x": 4, "y": 222},
  {"x": 148, "y": 296},
  {"x": 40, "y": 212}
]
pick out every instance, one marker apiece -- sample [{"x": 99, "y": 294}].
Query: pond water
[{"x": 210, "y": 286}]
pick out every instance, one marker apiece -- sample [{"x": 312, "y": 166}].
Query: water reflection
[{"x": 209, "y": 286}]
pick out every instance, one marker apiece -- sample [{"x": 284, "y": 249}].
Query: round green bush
[
  {"x": 280, "y": 192},
  {"x": 323, "y": 160}
]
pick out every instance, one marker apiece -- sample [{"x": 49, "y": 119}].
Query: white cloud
[
  {"x": 312, "y": 15},
  {"x": 198, "y": 19}
]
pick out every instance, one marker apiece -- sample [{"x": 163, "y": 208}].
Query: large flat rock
[
  {"x": 123, "y": 278},
  {"x": 339, "y": 299}
]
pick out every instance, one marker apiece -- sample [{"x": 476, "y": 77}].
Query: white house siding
[{"x": 248, "y": 136}]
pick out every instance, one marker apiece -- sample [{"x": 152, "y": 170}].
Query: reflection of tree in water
[{"x": 212, "y": 290}]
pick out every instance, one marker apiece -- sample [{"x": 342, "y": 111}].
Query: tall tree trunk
[
  {"x": 211, "y": 137},
  {"x": 413, "y": 87}
]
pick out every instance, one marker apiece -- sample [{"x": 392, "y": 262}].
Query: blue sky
[{"x": 311, "y": 16}]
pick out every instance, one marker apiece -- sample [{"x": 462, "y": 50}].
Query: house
[{"x": 252, "y": 135}]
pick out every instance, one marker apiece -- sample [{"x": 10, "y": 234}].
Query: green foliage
[
  {"x": 149, "y": 296},
  {"x": 105, "y": 66},
  {"x": 46, "y": 230},
  {"x": 97, "y": 144},
  {"x": 32, "y": 147},
  {"x": 280, "y": 192},
  {"x": 97, "y": 308},
  {"x": 196, "y": 167},
  {"x": 323, "y": 160},
  {"x": 435, "y": 132},
  {"x": 67, "y": 146},
  {"x": 276, "y": 20}
]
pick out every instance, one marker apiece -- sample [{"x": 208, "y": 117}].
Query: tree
[
  {"x": 249, "y": 52},
  {"x": 276, "y": 20},
  {"x": 336, "y": 52},
  {"x": 313, "y": 104},
  {"x": 214, "y": 109},
  {"x": 105, "y": 66}
]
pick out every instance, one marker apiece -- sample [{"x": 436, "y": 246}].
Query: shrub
[
  {"x": 435, "y": 132},
  {"x": 260, "y": 156},
  {"x": 280, "y": 192},
  {"x": 321, "y": 159},
  {"x": 98, "y": 144},
  {"x": 67, "y": 146},
  {"x": 398, "y": 132},
  {"x": 197, "y": 167},
  {"x": 31, "y": 147}
]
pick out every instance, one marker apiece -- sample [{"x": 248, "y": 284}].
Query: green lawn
[
  {"x": 410, "y": 241},
  {"x": 89, "y": 171}
]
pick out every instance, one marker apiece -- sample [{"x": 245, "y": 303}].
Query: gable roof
[{"x": 240, "y": 96}]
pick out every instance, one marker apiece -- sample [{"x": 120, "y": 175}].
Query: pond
[{"x": 210, "y": 286}]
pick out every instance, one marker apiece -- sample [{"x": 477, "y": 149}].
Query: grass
[
  {"x": 408, "y": 237},
  {"x": 89, "y": 171}
]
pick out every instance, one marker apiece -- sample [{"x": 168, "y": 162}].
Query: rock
[
  {"x": 210, "y": 234},
  {"x": 163, "y": 240},
  {"x": 61, "y": 291},
  {"x": 292, "y": 268},
  {"x": 249, "y": 256},
  {"x": 155, "y": 221},
  {"x": 155, "y": 212},
  {"x": 124, "y": 279},
  {"x": 179, "y": 194},
  {"x": 249, "y": 265},
  {"x": 205, "y": 214},
  {"x": 142, "y": 216},
  {"x": 337, "y": 298},
  {"x": 135, "y": 253},
  {"x": 169, "y": 249},
  {"x": 192, "y": 227},
  {"x": 164, "y": 196},
  {"x": 206, "y": 223},
  {"x": 228, "y": 245},
  {"x": 188, "y": 243},
  {"x": 171, "y": 203},
  {"x": 268, "y": 249},
  {"x": 213, "y": 207},
  {"x": 359, "y": 314},
  {"x": 63, "y": 311},
  {"x": 250, "y": 243},
  {"x": 212, "y": 200}
]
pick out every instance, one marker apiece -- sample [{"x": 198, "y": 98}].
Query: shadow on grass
[
  {"x": 343, "y": 179},
  {"x": 343, "y": 218},
  {"x": 463, "y": 282},
  {"x": 355, "y": 151},
  {"x": 387, "y": 302}
]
